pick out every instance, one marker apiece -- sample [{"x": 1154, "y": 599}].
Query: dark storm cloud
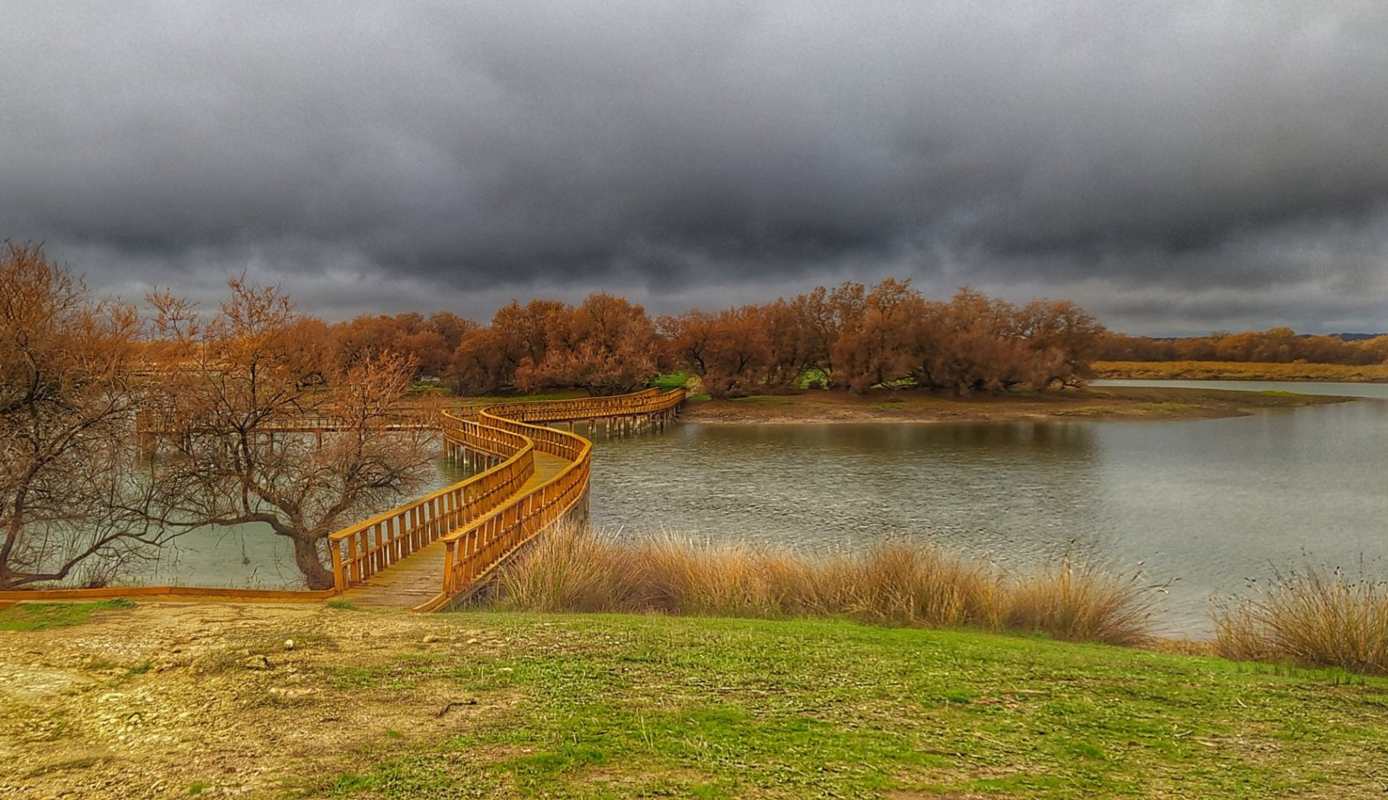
[{"x": 1178, "y": 166}]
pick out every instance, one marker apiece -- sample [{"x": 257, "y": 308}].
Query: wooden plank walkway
[{"x": 417, "y": 578}]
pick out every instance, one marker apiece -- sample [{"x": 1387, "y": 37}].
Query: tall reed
[
  {"x": 896, "y": 583},
  {"x": 1312, "y": 616},
  {"x": 1083, "y": 602}
]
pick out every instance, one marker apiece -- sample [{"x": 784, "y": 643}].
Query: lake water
[{"x": 1204, "y": 504}]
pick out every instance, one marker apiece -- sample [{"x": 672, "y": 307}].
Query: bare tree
[
  {"x": 69, "y": 497},
  {"x": 261, "y": 426}
]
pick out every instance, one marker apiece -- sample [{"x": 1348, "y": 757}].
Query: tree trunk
[{"x": 308, "y": 562}]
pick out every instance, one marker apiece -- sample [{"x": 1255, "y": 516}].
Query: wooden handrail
[
  {"x": 369, "y": 546},
  {"x": 484, "y": 518},
  {"x": 475, "y": 550}
]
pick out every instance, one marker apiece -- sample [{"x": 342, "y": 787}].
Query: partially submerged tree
[
  {"x": 69, "y": 504},
  {"x": 246, "y": 377}
]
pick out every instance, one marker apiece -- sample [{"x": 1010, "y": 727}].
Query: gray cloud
[{"x": 1177, "y": 166}]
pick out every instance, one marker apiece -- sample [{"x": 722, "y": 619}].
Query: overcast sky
[{"x": 1176, "y": 167}]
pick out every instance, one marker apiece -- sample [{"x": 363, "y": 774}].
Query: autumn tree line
[
  {"x": 851, "y": 336},
  {"x": 1275, "y": 345}
]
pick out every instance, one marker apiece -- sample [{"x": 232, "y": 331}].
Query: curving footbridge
[
  {"x": 428, "y": 552},
  {"x": 433, "y": 550}
]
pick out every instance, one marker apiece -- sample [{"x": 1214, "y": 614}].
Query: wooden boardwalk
[
  {"x": 415, "y": 580},
  {"x": 426, "y": 553}
]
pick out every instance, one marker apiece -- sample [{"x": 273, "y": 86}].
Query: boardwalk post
[{"x": 336, "y": 549}]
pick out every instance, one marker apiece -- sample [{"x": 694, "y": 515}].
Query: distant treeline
[
  {"x": 851, "y": 336},
  {"x": 1276, "y": 345}
]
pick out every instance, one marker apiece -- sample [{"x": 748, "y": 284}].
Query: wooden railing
[
  {"x": 479, "y": 546},
  {"x": 486, "y": 517},
  {"x": 367, "y": 547},
  {"x": 577, "y": 408},
  {"x": 473, "y": 551}
]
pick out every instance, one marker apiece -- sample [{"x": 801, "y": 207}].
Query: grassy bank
[
  {"x": 207, "y": 700},
  {"x": 1241, "y": 371},
  {"x": 909, "y": 405},
  {"x": 42, "y": 616}
]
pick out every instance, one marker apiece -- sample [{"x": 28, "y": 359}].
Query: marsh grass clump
[
  {"x": 903, "y": 584},
  {"x": 575, "y": 569},
  {"x": 1312, "y": 616},
  {"x": 566, "y": 571},
  {"x": 1083, "y": 602}
]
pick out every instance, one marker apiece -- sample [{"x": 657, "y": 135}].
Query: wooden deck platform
[{"x": 417, "y": 578}]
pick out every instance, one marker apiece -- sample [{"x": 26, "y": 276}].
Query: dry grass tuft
[
  {"x": 1083, "y": 603},
  {"x": 1315, "y": 617},
  {"x": 904, "y": 584},
  {"x": 575, "y": 569}
]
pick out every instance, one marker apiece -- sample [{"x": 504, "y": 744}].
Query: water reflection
[
  {"x": 1203, "y": 503},
  {"x": 835, "y": 487}
]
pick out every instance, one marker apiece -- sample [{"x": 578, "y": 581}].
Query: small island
[{"x": 1088, "y": 403}]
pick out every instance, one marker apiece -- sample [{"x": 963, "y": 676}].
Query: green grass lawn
[
  {"x": 41, "y": 616},
  {"x": 614, "y": 706},
  {"x": 671, "y": 380}
]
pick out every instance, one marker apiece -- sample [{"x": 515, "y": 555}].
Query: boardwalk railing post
[{"x": 338, "y": 580}]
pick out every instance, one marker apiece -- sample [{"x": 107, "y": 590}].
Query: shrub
[
  {"x": 1083, "y": 602},
  {"x": 1314, "y": 616}
]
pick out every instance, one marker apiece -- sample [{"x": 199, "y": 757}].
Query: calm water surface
[{"x": 1205, "y": 504}]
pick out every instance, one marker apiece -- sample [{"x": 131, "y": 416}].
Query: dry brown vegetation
[
  {"x": 850, "y": 337},
  {"x": 1241, "y": 371},
  {"x": 1312, "y": 616},
  {"x": 858, "y": 338},
  {"x": 1272, "y": 346},
  {"x": 575, "y": 569}
]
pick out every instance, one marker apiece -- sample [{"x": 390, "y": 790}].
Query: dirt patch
[{"x": 212, "y": 700}]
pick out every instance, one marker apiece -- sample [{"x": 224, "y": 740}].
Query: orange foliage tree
[
  {"x": 241, "y": 378},
  {"x": 1277, "y": 345},
  {"x": 888, "y": 335},
  {"x": 428, "y": 342},
  {"x": 67, "y": 397}
]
